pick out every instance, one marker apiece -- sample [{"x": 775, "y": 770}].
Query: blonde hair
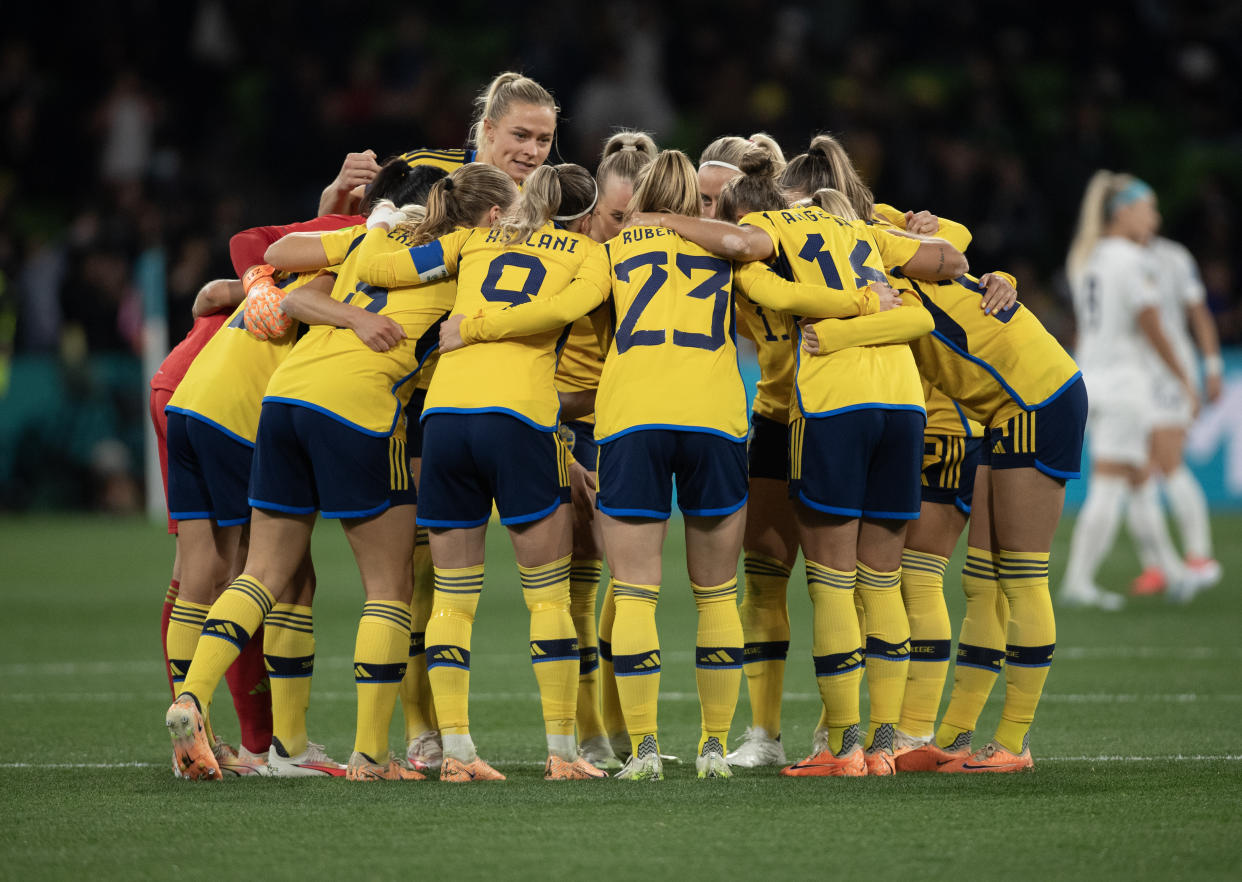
[
  {"x": 624, "y": 156},
  {"x": 755, "y": 189},
  {"x": 729, "y": 150},
  {"x": 566, "y": 190},
  {"x": 505, "y": 90},
  {"x": 462, "y": 198},
  {"x": 834, "y": 202},
  {"x": 826, "y": 165},
  {"x": 1098, "y": 207},
  {"x": 668, "y": 183}
]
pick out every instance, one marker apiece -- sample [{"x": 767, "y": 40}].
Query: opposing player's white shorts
[
  {"x": 1119, "y": 417},
  {"x": 1170, "y": 408}
]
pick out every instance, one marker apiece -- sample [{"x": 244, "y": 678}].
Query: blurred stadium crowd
[{"x": 141, "y": 137}]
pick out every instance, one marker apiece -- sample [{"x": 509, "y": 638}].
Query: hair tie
[
  {"x": 449, "y": 184},
  {"x": 565, "y": 218},
  {"x": 633, "y": 148},
  {"x": 716, "y": 162}
]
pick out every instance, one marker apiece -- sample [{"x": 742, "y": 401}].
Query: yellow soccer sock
[
  {"x": 416, "y": 704},
  {"x": 887, "y": 647},
  {"x": 609, "y": 700},
  {"x": 553, "y": 644},
  {"x": 765, "y": 624},
  {"x": 448, "y": 645},
  {"x": 836, "y": 649},
  {"x": 289, "y": 654},
  {"x": 185, "y": 625},
  {"x": 931, "y": 638},
  {"x": 717, "y": 659},
  {"x": 636, "y": 657},
  {"x": 980, "y": 648},
  {"x": 235, "y": 615},
  {"x": 583, "y": 586},
  {"x": 380, "y": 654},
  {"x": 1030, "y": 642}
]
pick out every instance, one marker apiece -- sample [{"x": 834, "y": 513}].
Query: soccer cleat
[
  {"x": 711, "y": 762},
  {"x": 826, "y": 764},
  {"x": 363, "y": 768},
  {"x": 1151, "y": 581},
  {"x": 312, "y": 762},
  {"x": 425, "y": 752},
  {"x": 758, "y": 748},
  {"x": 993, "y": 758},
  {"x": 880, "y": 761},
  {"x": 192, "y": 752},
  {"x": 456, "y": 772},
  {"x": 645, "y": 765},
  {"x": 819, "y": 741},
  {"x": 931, "y": 757},
  {"x": 1090, "y": 596},
  {"x": 241, "y": 763},
  {"x": 1203, "y": 571},
  {"x": 598, "y": 752},
  {"x": 557, "y": 769}
]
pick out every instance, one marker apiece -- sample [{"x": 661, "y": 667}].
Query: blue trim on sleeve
[{"x": 168, "y": 408}]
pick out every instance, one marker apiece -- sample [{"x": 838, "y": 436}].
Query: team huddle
[{"x": 471, "y": 332}]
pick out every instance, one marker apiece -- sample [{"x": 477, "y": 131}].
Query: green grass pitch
[{"x": 1138, "y": 749}]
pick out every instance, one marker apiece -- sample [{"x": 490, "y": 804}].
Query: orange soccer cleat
[
  {"x": 457, "y": 772},
  {"x": 993, "y": 758},
  {"x": 193, "y": 754},
  {"x": 1151, "y": 581},
  {"x": 363, "y": 768},
  {"x": 826, "y": 764},
  {"x": 558, "y": 769}
]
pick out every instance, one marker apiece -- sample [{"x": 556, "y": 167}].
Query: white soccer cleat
[
  {"x": 711, "y": 762},
  {"x": 1091, "y": 597},
  {"x": 425, "y": 752},
  {"x": 598, "y": 752},
  {"x": 645, "y": 765},
  {"x": 312, "y": 762},
  {"x": 1204, "y": 571},
  {"x": 758, "y": 748}
]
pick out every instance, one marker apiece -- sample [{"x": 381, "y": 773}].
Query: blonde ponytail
[
  {"x": 463, "y": 199},
  {"x": 1099, "y": 202},
  {"x": 668, "y": 183},
  {"x": 826, "y": 165}
]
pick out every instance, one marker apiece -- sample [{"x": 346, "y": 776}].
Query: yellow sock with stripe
[
  {"x": 609, "y": 700},
  {"x": 1030, "y": 641},
  {"x": 185, "y": 625},
  {"x": 416, "y": 704},
  {"x": 448, "y": 645},
  {"x": 289, "y": 655},
  {"x": 931, "y": 639},
  {"x": 583, "y": 586},
  {"x": 887, "y": 650},
  {"x": 717, "y": 659},
  {"x": 553, "y": 644},
  {"x": 765, "y": 624},
  {"x": 380, "y": 654},
  {"x": 235, "y": 615},
  {"x": 837, "y": 651},
  {"x": 980, "y": 649},
  {"x": 636, "y": 657}
]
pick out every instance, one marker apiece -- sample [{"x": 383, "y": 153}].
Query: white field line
[
  {"x": 349, "y": 696},
  {"x": 1104, "y": 758},
  {"x": 1064, "y": 653}
]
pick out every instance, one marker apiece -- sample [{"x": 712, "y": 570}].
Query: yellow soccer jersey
[
  {"x": 815, "y": 247},
  {"x": 946, "y": 417},
  {"x": 581, "y": 362},
  {"x": 775, "y": 339},
  {"x": 511, "y": 376},
  {"x": 450, "y": 160},
  {"x": 334, "y": 372},
  {"x": 224, "y": 385},
  {"x": 952, "y": 232}
]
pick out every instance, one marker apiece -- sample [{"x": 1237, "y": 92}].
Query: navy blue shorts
[
  {"x": 860, "y": 463},
  {"x": 471, "y": 459},
  {"x": 1048, "y": 439},
  {"x": 306, "y": 461},
  {"x": 949, "y": 463},
  {"x": 767, "y": 449},
  {"x": 636, "y": 473},
  {"x": 414, "y": 424},
  {"x": 584, "y": 449},
  {"x": 208, "y": 471}
]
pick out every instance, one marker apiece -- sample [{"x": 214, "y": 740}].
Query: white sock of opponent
[
  {"x": 1134, "y": 520},
  {"x": 1095, "y": 530},
  {"x": 1190, "y": 509},
  {"x": 1151, "y": 532}
]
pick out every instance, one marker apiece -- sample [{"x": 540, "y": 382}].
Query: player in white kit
[
  {"x": 1181, "y": 301},
  {"x": 1116, "y": 303}
]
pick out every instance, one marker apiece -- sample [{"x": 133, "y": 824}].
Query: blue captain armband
[{"x": 429, "y": 262}]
